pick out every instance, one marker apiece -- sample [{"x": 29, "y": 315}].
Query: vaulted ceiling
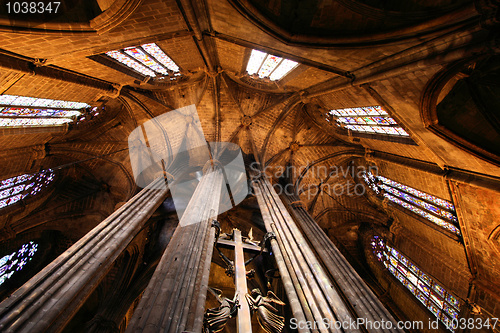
[{"x": 350, "y": 54}]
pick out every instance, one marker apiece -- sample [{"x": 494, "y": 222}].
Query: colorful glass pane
[
  {"x": 453, "y": 301},
  {"x": 439, "y": 290},
  {"x": 434, "y": 309},
  {"x": 420, "y": 203},
  {"x": 269, "y": 65},
  {"x": 419, "y": 285},
  {"x": 17, "y": 188},
  {"x": 40, "y": 102},
  {"x": 441, "y": 202},
  {"x": 23, "y": 122},
  {"x": 437, "y": 299},
  {"x": 145, "y": 59},
  {"x": 165, "y": 60},
  {"x": 423, "y": 287},
  {"x": 380, "y": 124},
  {"x": 450, "y": 311},
  {"x": 16, "y": 112},
  {"x": 412, "y": 277},
  {"x": 126, "y": 60},
  {"x": 15, "y": 262},
  {"x": 420, "y": 212}
]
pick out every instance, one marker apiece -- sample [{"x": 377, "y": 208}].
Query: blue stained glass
[
  {"x": 443, "y": 203},
  {"x": 355, "y": 119},
  {"x": 423, "y": 287},
  {"x": 437, "y": 299},
  {"x": 420, "y": 203},
  {"x": 434, "y": 309},
  {"x": 430, "y": 217},
  {"x": 15, "y": 188},
  {"x": 421, "y": 297},
  {"x": 16, "y": 261},
  {"x": 450, "y": 310},
  {"x": 453, "y": 301},
  {"x": 440, "y": 290},
  {"x": 414, "y": 268}
]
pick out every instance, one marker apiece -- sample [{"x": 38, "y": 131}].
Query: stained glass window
[
  {"x": 435, "y": 297},
  {"x": 370, "y": 119},
  {"x": 268, "y": 65},
  {"x": 21, "y": 111},
  {"x": 14, "y": 262},
  {"x": 16, "y": 188},
  {"x": 147, "y": 59},
  {"x": 436, "y": 210}
]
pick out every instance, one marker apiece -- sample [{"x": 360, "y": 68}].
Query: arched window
[
  {"x": 435, "y": 297},
  {"x": 436, "y": 210},
  {"x": 147, "y": 59},
  {"x": 14, "y": 262},
  {"x": 21, "y": 111},
  {"x": 370, "y": 119},
  {"x": 16, "y": 188},
  {"x": 269, "y": 66}
]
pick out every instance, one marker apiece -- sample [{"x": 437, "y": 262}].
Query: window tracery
[
  {"x": 22, "y": 111},
  {"x": 147, "y": 59},
  {"x": 266, "y": 65},
  {"x": 15, "y": 262},
  {"x": 370, "y": 119},
  {"x": 16, "y": 188},
  {"x": 430, "y": 293},
  {"x": 434, "y": 209}
]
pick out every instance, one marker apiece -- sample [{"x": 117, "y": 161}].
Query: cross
[{"x": 235, "y": 240}]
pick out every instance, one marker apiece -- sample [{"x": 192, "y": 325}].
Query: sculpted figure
[
  {"x": 266, "y": 313},
  {"x": 215, "y": 319}
]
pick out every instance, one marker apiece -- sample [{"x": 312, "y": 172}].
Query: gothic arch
[
  {"x": 440, "y": 89},
  {"x": 426, "y": 21},
  {"x": 110, "y": 17}
]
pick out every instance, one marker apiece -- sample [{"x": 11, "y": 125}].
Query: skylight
[
  {"x": 269, "y": 66},
  {"x": 147, "y": 59},
  {"x": 371, "y": 119}
]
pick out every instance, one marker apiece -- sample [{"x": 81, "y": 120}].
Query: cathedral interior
[{"x": 369, "y": 131}]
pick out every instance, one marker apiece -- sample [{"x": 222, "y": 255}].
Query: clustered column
[
  {"x": 362, "y": 300},
  {"x": 174, "y": 300},
  {"x": 48, "y": 301}
]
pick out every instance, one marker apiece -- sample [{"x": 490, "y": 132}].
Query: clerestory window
[
  {"x": 15, "y": 262},
  {"x": 20, "y": 187},
  {"x": 369, "y": 119},
  {"x": 264, "y": 65},
  {"x": 428, "y": 291},
  {"x": 439, "y": 211},
  {"x": 23, "y": 111}
]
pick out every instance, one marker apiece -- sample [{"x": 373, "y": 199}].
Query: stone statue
[
  {"x": 215, "y": 319},
  {"x": 266, "y": 313}
]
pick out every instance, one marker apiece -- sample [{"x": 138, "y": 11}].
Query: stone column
[
  {"x": 318, "y": 301},
  {"x": 362, "y": 300},
  {"x": 174, "y": 300},
  {"x": 48, "y": 301},
  {"x": 315, "y": 294}
]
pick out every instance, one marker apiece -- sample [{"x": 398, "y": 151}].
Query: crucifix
[{"x": 237, "y": 269}]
